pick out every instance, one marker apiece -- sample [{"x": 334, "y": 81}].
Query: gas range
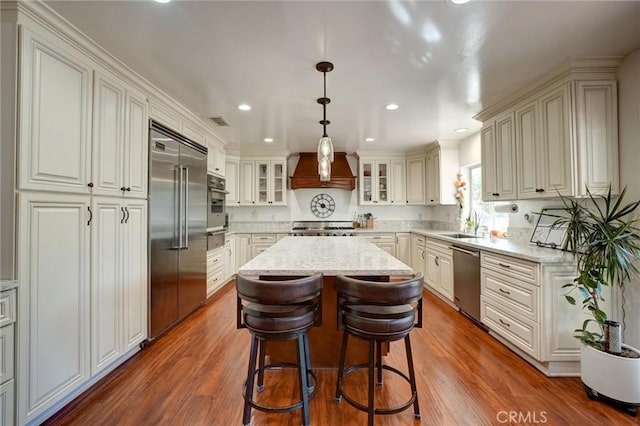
[{"x": 319, "y": 228}]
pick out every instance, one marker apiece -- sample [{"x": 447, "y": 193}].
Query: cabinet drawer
[
  {"x": 379, "y": 238},
  {"x": 511, "y": 267},
  {"x": 7, "y": 307},
  {"x": 7, "y": 402},
  {"x": 438, "y": 245},
  {"x": 516, "y": 295},
  {"x": 263, "y": 238},
  {"x": 521, "y": 332},
  {"x": 418, "y": 239},
  {"x": 215, "y": 259},
  {"x": 6, "y": 353},
  {"x": 214, "y": 280}
]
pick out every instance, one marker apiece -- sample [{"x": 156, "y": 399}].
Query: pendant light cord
[{"x": 324, "y": 108}]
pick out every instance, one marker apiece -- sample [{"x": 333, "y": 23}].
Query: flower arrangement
[{"x": 460, "y": 188}]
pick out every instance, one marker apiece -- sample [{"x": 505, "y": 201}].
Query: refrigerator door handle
[
  {"x": 179, "y": 222},
  {"x": 186, "y": 208}
]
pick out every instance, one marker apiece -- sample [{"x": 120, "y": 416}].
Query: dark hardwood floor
[{"x": 193, "y": 376}]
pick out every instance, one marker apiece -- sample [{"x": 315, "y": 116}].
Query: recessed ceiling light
[
  {"x": 459, "y": 1},
  {"x": 369, "y": 140},
  {"x": 244, "y": 107},
  {"x": 268, "y": 140},
  {"x": 461, "y": 130},
  {"x": 391, "y": 107},
  {"x": 162, "y": 1}
]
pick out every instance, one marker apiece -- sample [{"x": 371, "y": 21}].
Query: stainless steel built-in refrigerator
[{"x": 177, "y": 227}]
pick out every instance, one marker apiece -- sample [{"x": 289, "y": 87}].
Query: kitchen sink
[{"x": 459, "y": 235}]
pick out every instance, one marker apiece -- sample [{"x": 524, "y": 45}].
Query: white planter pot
[{"x": 611, "y": 376}]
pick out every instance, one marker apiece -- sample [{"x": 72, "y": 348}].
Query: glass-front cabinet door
[
  {"x": 271, "y": 183},
  {"x": 374, "y": 182},
  {"x": 279, "y": 183},
  {"x": 262, "y": 182},
  {"x": 382, "y": 172}
]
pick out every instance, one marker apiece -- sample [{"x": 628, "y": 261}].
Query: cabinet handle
[
  {"x": 504, "y": 265},
  {"x": 504, "y": 291},
  {"x": 126, "y": 209},
  {"x": 90, "y": 184},
  {"x": 123, "y": 215},
  {"x": 431, "y": 201},
  {"x": 504, "y": 323},
  {"x": 496, "y": 194},
  {"x": 437, "y": 261},
  {"x": 90, "y": 215},
  {"x": 216, "y": 169},
  {"x": 422, "y": 255}
]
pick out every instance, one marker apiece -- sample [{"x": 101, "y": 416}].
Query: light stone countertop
[
  {"x": 330, "y": 255},
  {"x": 521, "y": 250},
  {"x": 526, "y": 251},
  {"x": 8, "y": 285}
]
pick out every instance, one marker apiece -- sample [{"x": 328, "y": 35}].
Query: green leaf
[{"x": 570, "y": 299}]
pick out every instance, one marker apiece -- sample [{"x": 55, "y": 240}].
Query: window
[{"x": 488, "y": 219}]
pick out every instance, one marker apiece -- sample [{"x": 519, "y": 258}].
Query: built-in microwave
[{"x": 216, "y": 216}]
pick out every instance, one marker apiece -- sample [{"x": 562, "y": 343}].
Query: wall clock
[{"x": 322, "y": 205}]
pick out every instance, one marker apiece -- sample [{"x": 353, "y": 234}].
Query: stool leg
[
  {"x": 246, "y": 418},
  {"x": 302, "y": 374},
  {"x": 263, "y": 346},
  {"x": 412, "y": 377},
  {"x": 379, "y": 363},
  {"x": 343, "y": 353},
  {"x": 307, "y": 353},
  {"x": 372, "y": 364}
]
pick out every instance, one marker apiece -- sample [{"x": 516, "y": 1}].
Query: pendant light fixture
[{"x": 325, "y": 147}]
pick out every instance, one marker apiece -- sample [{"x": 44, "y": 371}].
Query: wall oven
[{"x": 216, "y": 215}]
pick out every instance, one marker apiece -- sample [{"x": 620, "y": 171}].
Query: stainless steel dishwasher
[{"x": 466, "y": 281}]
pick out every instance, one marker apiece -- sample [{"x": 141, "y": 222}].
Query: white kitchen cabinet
[
  {"x": 271, "y": 183},
  {"x": 232, "y": 177},
  {"x": 53, "y": 307},
  {"x": 442, "y": 170},
  {"x": 118, "y": 278},
  {"x": 566, "y": 135},
  {"x": 7, "y": 360},
  {"x": 386, "y": 241},
  {"x": 165, "y": 115},
  {"x": 247, "y": 183},
  {"x": 439, "y": 267},
  {"x": 374, "y": 181},
  {"x": 54, "y": 139},
  {"x": 215, "y": 270},
  {"x": 230, "y": 267},
  {"x": 216, "y": 158},
  {"x": 543, "y": 145},
  {"x": 120, "y": 138},
  {"x": 398, "y": 182},
  {"x": 498, "y": 159},
  {"x": 416, "y": 180},
  {"x": 596, "y": 139},
  {"x": 403, "y": 247},
  {"x": 418, "y": 256},
  {"x": 193, "y": 132},
  {"x": 261, "y": 242},
  {"x": 243, "y": 249}
]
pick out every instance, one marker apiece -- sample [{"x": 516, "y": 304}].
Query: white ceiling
[{"x": 441, "y": 62}]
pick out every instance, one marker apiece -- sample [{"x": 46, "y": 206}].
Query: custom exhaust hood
[{"x": 306, "y": 173}]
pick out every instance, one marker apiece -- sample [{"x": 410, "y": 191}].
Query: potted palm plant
[{"x": 602, "y": 234}]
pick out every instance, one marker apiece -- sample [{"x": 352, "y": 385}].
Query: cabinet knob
[
  {"x": 431, "y": 201},
  {"x": 128, "y": 189},
  {"x": 122, "y": 188},
  {"x": 238, "y": 202},
  {"x": 539, "y": 189},
  {"x": 496, "y": 194},
  {"x": 90, "y": 184},
  {"x": 217, "y": 169}
]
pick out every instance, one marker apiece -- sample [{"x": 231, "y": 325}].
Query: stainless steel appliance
[
  {"x": 216, "y": 216},
  {"x": 177, "y": 227},
  {"x": 466, "y": 281},
  {"x": 321, "y": 228},
  {"x": 215, "y": 239}
]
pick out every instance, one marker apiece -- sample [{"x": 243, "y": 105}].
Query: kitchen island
[{"x": 302, "y": 256}]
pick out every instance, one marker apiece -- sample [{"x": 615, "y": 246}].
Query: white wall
[
  {"x": 470, "y": 150},
  {"x": 629, "y": 134}
]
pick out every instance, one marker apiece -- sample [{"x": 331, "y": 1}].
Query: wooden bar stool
[
  {"x": 283, "y": 309},
  {"x": 379, "y": 313}
]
